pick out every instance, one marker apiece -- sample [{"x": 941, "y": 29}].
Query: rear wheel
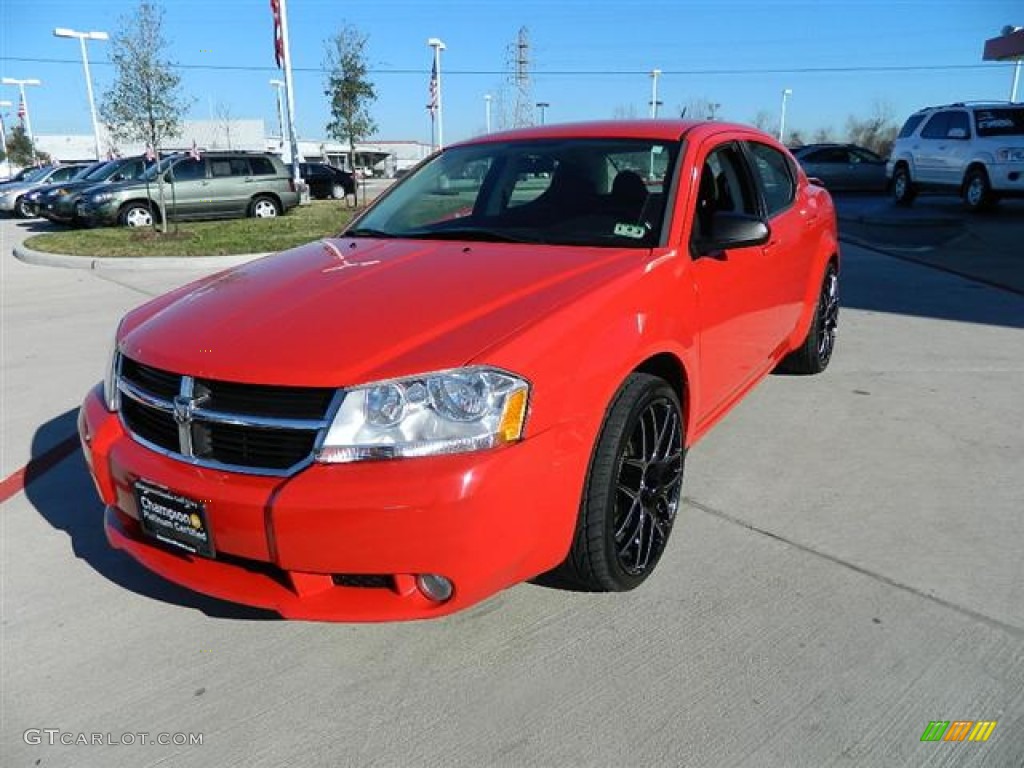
[
  {"x": 978, "y": 191},
  {"x": 337, "y": 192},
  {"x": 814, "y": 354},
  {"x": 903, "y": 192},
  {"x": 264, "y": 208},
  {"x": 135, "y": 215},
  {"x": 632, "y": 490}
]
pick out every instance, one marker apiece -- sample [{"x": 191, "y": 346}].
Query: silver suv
[{"x": 975, "y": 149}]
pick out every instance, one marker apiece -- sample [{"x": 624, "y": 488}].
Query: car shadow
[{"x": 65, "y": 497}]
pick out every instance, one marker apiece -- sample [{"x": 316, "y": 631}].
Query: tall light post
[
  {"x": 1009, "y": 29},
  {"x": 24, "y": 102},
  {"x": 3, "y": 134},
  {"x": 82, "y": 37},
  {"x": 438, "y": 46},
  {"x": 487, "y": 111},
  {"x": 279, "y": 89},
  {"x": 786, "y": 93},
  {"x": 542, "y": 106},
  {"x": 655, "y": 73}
]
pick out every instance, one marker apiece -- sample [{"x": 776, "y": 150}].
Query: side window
[
  {"x": 936, "y": 127},
  {"x": 959, "y": 126},
  {"x": 910, "y": 126},
  {"x": 261, "y": 166},
  {"x": 220, "y": 167},
  {"x": 134, "y": 169},
  {"x": 63, "y": 174},
  {"x": 189, "y": 170},
  {"x": 239, "y": 166},
  {"x": 724, "y": 186},
  {"x": 771, "y": 168}
]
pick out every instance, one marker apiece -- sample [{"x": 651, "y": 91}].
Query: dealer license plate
[{"x": 173, "y": 519}]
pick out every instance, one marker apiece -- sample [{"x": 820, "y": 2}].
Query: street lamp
[
  {"x": 786, "y": 93},
  {"x": 279, "y": 88},
  {"x": 542, "y": 106},
  {"x": 438, "y": 46},
  {"x": 654, "y": 92},
  {"x": 3, "y": 135},
  {"x": 487, "y": 111},
  {"x": 24, "y": 101},
  {"x": 1009, "y": 29},
  {"x": 82, "y": 37}
]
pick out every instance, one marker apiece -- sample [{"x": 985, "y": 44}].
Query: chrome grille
[{"x": 252, "y": 428}]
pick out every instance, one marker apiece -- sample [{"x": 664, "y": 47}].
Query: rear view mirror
[{"x": 732, "y": 230}]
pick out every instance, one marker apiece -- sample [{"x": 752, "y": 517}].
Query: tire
[
  {"x": 22, "y": 209},
  {"x": 903, "y": 192},
  {"x": 337, "y": 192},
  {"x": 135, "y": 215},
  {"x": 631, "y": 494},
  {"x": 264, "y": 207},
  {"x": 978, "y": 191},
  {"x": 814, "y": 354}
]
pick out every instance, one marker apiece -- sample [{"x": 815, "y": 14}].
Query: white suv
[{"x": 975, "y": 149}]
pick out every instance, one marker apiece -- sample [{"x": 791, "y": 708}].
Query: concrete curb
[{"x": 98, "y": 263}]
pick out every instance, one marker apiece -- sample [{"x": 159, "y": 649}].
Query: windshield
[
  {"x": 597, "y": 192},
  {"x": 158, "y": 168},
  {"x": 37, "y": 173},
  {"x": 1008, "y": 121},
  {"x": 86, "y": 171},
  {"x": 100, "y": 171}
]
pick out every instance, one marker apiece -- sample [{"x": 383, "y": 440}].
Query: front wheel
[
  {"x": 814, "y": 354},
  {"x": 22, "y": 208},
  {"x": 978, "y": 191},
  {"x": 264, "y": 208},
  {"x": 632, "y": 490},
  {"x": 903, "y": 192}
]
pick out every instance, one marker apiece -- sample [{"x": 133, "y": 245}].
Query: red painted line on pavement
[{"x": 40, "y": 465}]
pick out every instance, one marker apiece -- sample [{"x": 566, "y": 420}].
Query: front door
[{"x": 188, "y": 195}]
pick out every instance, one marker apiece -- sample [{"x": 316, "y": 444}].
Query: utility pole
[
  {"x": 487, "y": 112},
  {"x": 654, "y": 92},
  {"x": 436, "y": 105},
  {"x": 542, "y": 106},
  {"x": 24, "y": 108},
  {"x": 521, "y": 80},
  {"x": 3, "y": 135},
  {"x": 786, "y": 93}
]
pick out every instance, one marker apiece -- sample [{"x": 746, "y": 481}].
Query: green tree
[
  {"x": 350, "y": 91},
  {"x": 19, "y": 148},
  {"x": 145, "y": 102}
]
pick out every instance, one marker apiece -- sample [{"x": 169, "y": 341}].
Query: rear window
[
  {"x": 1007, "y": 121},
  {"x": 261, "y": 166}
]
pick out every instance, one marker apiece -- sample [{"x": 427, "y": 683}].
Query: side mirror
[{"x": 732, "y": 230}]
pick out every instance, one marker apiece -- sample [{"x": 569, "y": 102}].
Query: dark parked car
[
  {"x": 843, "y": 166},
  {"x": 57, "y": 202},
  {"x": 13, "y": 195},
  {"x": 326, "y": 181}
]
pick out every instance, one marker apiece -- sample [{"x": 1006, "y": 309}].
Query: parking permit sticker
[{"x": 634, "y": 231}]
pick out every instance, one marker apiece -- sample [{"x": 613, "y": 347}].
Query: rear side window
[
  {"x": 261, "y": 166},
  {"x": 1008, "y": 121},
  {"x": 910, "y": 126},
  {"x": 773, "y": 171}
]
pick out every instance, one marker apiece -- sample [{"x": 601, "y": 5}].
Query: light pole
[
  {"x": 278, "y": 88},
  {"x": 438, "y": 46},
  {"x": 542, "y": 106},
  {"x": 786, "y": 93},
  {"x": 3, "y": 135},
  {"x": 1009, "y": 29},
  {"x": 487, "y": 111},
  {"x": 655, "y": 73},
  {"x": 82, "y": 37},
  {"x": 24, "y": 102}
]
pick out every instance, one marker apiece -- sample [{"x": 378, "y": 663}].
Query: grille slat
[{"x": 255, "y": 447}]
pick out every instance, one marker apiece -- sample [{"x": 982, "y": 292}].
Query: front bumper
[
  {"x": 96, "y": 213},
  {"x": 7, "y": 203},
  {"x": 1007, "y": 179},
  {"x": 297, "y": 545},
  {"x": 60, "y": 209}
]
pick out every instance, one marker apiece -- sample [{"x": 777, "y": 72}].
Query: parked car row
[{"x": 136, "y": 192}]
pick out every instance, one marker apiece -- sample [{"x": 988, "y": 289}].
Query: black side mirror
[{"x": 732, "y": 230}]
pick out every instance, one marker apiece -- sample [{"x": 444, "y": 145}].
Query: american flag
[
  {"x": 275, "y": 8},
  {"x": 21, "y": 109},
  {"x": 194, "y": 152},
  {"x": 432, "y": 103}
]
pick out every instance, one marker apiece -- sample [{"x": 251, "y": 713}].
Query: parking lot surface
[{"x": 846, "y": 568}]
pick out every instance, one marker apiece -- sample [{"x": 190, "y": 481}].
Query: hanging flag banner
[{"x": 275, "y": 8}]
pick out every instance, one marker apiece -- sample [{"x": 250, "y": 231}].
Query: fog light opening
[{"x": 435, "y": 587}]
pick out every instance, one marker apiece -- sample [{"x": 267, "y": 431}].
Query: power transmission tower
[{"x": 519, "y": 53}]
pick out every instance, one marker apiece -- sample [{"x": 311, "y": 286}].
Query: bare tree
[
  {"x": 699, "y": 108},
  {"x": 763, "y": 121},
  {"x": 349, "y": 89},
  {"x": 824, "y": 135},
  {"x": 796, "y": 138},
  {"x": 876, "y": 132},
  {"x": 145, "y": 102},
  {"x": 625, "y": 112}
]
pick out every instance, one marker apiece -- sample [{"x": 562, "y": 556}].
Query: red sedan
[{"x": 494, "y": 373}]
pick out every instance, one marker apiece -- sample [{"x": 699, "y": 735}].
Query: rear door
[{"x": 229, "y": 185}]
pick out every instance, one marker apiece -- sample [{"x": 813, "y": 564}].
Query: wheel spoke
[{"x": 635, "y": 511}]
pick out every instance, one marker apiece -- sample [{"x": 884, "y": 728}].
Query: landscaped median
[{"x": 197, "y": 239}]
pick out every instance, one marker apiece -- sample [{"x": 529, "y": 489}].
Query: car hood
[
  {"x": 342, "y": 312},
  {"x": 19, "y": 186}
]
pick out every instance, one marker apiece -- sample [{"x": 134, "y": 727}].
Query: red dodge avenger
[{"x": 494, "y": 373}]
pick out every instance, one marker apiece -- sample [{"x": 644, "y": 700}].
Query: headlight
[
  {"x": 101, "y": 197},
  {"x": 111, "y": 395},
  {"x": 33, "y": 196},
  {"x": 1011, "y": 155},
  {"x": 466, "y": 409}
]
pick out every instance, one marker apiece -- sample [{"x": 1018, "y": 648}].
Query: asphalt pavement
[{"x": 846, "y": 568}]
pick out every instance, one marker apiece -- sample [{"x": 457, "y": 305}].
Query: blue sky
[{"x": 589, "y": 57}]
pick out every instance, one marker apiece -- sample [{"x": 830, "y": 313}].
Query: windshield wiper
[
  {"x": 470, "y": 233},
  {"x": 366, "y": 232}
]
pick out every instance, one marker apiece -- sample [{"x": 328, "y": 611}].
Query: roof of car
[{"x": 669, "y": 130}]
